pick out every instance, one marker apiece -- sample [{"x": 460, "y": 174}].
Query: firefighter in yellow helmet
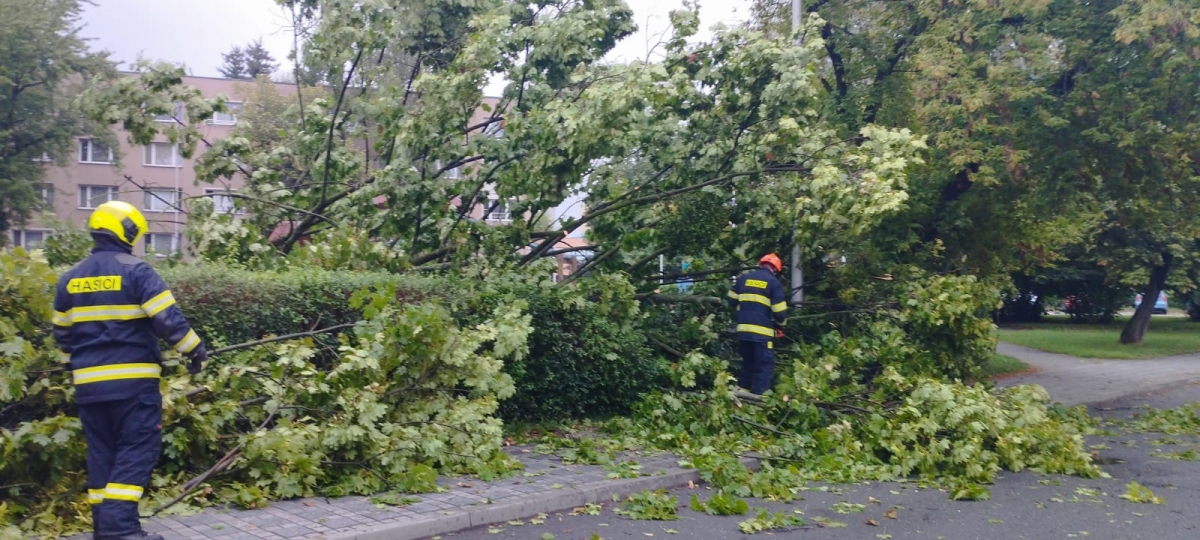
[
  {"x": 110, "y": 310},
  {"x": 759, "y": 298}
]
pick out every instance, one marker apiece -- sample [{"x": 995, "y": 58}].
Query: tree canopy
[{"x": 43, "y": 66}]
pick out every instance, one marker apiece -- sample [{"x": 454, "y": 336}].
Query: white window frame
[
  {"x": 150, "y": 154},
  {"x": 90, "y": 145},
  {"x": 46, "y": 190},
  {"x": 44, "y": 159},
  {"x": 170, "y": 119},
  {"x": 150, "y": 244},
  {"x": 235, "y": 108},
  {"x": 454, "y": 173},
  {"x": 112, "y": 195},
  {"x": 153, "y": 197},
  {"x": 496, "y": 215},
  {"x": 19, "y": 237},
  {"x": 495, "y": 130},
  {"x": 218, "y": 193}
]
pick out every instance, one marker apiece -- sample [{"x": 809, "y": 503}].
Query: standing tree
[
  {"x": 1132, "y": 79},
  {"x": 43, "y": 64},
  {"x": 234, "y": 66},
  {"x": 248, "y": 63},
  {"x": 259, "y": 61}
]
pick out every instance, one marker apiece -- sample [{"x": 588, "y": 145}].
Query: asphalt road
[{"x": 1022, "y": 506}]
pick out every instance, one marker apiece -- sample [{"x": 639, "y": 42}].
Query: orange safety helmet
[{"x": 773, "y": 260}]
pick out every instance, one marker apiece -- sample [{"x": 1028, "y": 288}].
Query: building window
[
  {"x": 44, "y": 159},
  {"x": 91, "y": 151},
  {"x": 500, "y": 210},
  {"x": 229, "y": 117},
  {"x": 494, "y": 130},
  {"x": 93, "y": 196},
  {"x": 160, "y": 154},
  {"x": 162, "y": 200},
  {"x": 454, "y": 173},
  {"x": 171, "y": 118},
  {"x": 162, "y": 244},
  {"x": 29, "y": 239},
  {"x": 46, "y": 192},
  {"x": 222, "y": 202}
]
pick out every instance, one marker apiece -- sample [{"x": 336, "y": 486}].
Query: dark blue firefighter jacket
[{"x": 109, "y": 313}]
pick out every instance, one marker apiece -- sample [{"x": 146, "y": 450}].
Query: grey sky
[
  {"x": 192, "y": 32},
  {"x": 196, "y": 32}
]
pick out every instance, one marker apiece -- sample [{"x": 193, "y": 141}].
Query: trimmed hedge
[
  {"x": 235, "y": 306},
  {"x": 581, "y": 363}
]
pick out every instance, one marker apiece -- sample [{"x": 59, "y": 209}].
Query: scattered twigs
[
  {"x": 217, "y": 468},
  {"x": 666, "y": 348},
  {"x": 249, "y": 344}
]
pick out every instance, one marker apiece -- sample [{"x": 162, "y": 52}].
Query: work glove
[
  {"x": 197, "y": 358},
  {"x": 778, "y": 333}
]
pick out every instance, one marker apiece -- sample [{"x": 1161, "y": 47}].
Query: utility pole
[{"x": 797, "y": 269}]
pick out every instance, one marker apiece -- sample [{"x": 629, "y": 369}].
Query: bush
[
  {"x": 230, "y": 306},
  {"x": 584, "y": 360}
]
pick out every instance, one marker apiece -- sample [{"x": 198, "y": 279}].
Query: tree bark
[{"x": 1135, "y": 329}]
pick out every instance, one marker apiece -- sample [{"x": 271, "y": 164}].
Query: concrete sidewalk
[
  {"x": 1075, "y": 381},
  {"x": 545, "y": 486}
]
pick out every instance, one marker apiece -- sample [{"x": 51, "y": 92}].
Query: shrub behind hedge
[
  {"x": 236, "y": 306},
  {"x": 582, "y": 362}
]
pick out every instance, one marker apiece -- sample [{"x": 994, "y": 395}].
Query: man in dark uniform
[
  {"x": 759, "y": 297},
  {"x": 109, "y": 313}
]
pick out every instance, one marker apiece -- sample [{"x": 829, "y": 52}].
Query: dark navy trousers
[
  {"x": 124, "y": 441},
  {"x": 758, "y": 365}
]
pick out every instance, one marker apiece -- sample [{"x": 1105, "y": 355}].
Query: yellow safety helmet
[{"x": 119, "y": 219}]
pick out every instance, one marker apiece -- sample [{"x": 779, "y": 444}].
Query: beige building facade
[{"x": 154, "y": 178}]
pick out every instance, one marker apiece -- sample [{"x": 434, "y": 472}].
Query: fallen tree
[{"x": 404, "y": 396}]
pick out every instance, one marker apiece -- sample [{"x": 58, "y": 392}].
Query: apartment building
[
  {"x": 157, "y": 180},
  {"x": 154, "y": 178}
]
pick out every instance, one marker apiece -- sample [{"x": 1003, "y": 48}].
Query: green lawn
[
  {"x": 1167, "y": 336},
  {"x": 1000, "y": 364}
]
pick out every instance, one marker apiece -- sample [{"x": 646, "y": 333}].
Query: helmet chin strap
[{"x": 108, "y": 241}]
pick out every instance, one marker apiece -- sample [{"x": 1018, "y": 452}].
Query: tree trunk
[{"x": 1135, "y": 329}]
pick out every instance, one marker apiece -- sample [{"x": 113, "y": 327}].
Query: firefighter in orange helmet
[{"x": 759, "y": 298}]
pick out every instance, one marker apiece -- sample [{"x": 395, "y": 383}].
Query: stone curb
[{"x": 539, "y": 503}]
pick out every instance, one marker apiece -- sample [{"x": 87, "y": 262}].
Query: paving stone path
[
  {"x": 1074, "y": 381},
  {"x": 547, "y": 485}
]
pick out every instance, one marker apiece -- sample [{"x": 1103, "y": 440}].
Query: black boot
[{"x": 140, "y": 535}]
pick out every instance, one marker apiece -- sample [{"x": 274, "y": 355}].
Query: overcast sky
[{"x": 196, "y": 32}]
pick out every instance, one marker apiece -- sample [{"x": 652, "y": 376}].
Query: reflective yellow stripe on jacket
[
  {"x": 780, "y": 307},
  {"x": 95, "y": 496},
  {"x": 155, "y": 305},
  {"x": 188, "y": 343},
  {"x": 756, "y": 329},
  {"x": 756, "y": 298},
  {"x": 116, "y": 372},
  {"x": 115, "y": 312}
]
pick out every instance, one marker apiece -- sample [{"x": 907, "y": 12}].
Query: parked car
[{"x": 1160, "y": 305}]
